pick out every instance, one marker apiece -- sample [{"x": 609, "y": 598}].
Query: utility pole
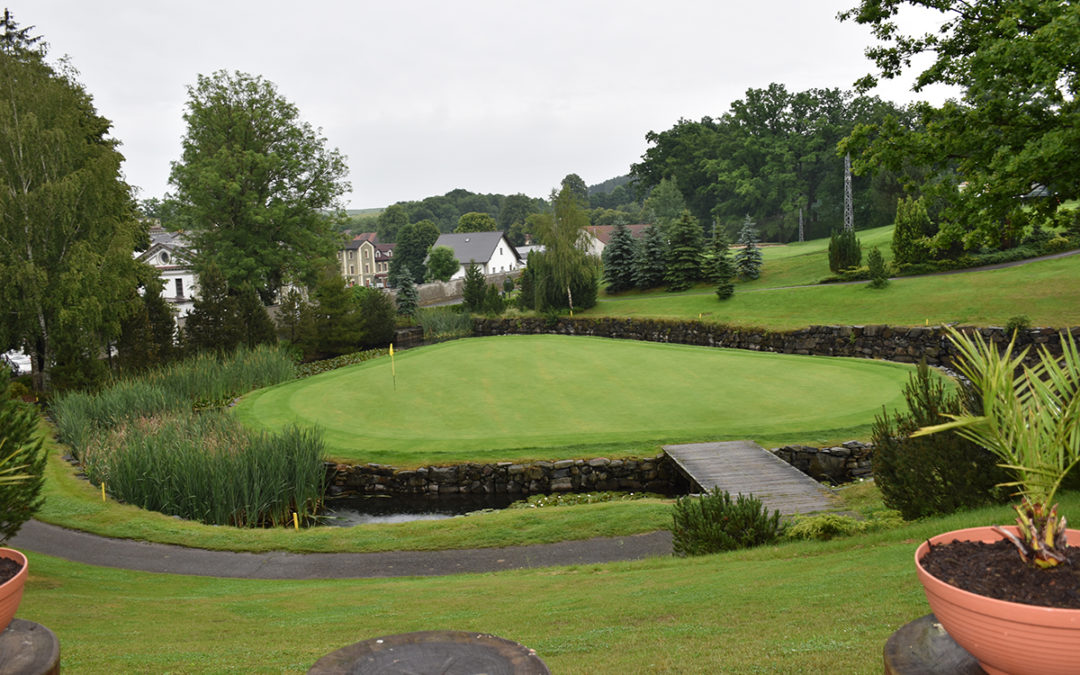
[{"x": 849, "y": 207}]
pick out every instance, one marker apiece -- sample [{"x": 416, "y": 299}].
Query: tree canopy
[
  {"x": 67, "y": 219},
  {"x": 258, "y": 189},
  {"x": 1004, "y": 153}
]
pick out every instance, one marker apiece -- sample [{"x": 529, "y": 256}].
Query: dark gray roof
[{"x": 473, "y": 246}]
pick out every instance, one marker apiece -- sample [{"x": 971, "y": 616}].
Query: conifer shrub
[
  {"x": 879, "y": 273},
  {"x": 936, "y": 474},
  {"x": 844, "y": 250},
  {"x": 715, "y": 522}
]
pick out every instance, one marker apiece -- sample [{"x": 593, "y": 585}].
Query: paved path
[
  {"x": 147, "y": 557},
  {"x": 746, "y": 467}
]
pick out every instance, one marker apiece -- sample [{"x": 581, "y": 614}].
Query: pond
[{"x": 386, "y": 509}]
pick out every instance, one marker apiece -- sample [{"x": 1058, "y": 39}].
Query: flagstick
[{"x": 393, "y": 371}]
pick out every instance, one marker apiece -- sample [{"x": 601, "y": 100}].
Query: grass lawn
[
  {"x": 1048, "y": 292},
  {"x": 552, "y": 397},
  {"x": 793, "y": 608}
]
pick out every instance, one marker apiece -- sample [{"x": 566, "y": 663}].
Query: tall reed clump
[
  {"x": 144, "y": 440},
  {"x": 207, "y": 467},
  {"x": 441, "y": 323}
]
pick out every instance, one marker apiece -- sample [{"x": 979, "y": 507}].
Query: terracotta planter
[
  {"x": 11, "y": 590},
  {"x": 1005, "y": 637}
]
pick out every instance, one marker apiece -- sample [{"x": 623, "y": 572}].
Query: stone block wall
[
  {"x": 656, "y": 474},
  {"x": 838, "y": 464},
  {"x": 903, "y": 344}
]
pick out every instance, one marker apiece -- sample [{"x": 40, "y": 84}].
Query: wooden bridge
[{"x": 746, "y": 467}]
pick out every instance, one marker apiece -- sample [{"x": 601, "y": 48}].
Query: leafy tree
[
  {"x": 517, "y": 233},
  {"x": 67, "y": 219},
  {"x": 912, "y": 228},
  {"x": 377, "y": 322},
  {"x": 212, "y": 324},
  {"x": 573, "y": 183},
  {"x": 684, "y": 253},
  {"x": 476, "y": 222},
  {"x": 474, "y": 288},
  {"x": 650, "y": 263},
  {"x": 566, "y": 263},
  {"x": 22, "y": 455},
  {"x": 1015, "y": 62},
  {"x": 879, "y": 274},
  {"x": 390, "y": 222},
  {"x": 442, "y": 264},
  {"x": 619, "y": 260},
  {"x": 408, "y": 299},
  {"x": 515, "y": 209},
  {"x": 748, "y": 259},
  {"x": 845, "y": 252},
  {"x": 411, "y": 251},
  {"x": 258, "y": 188}
]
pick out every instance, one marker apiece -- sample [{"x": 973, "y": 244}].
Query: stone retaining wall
[
  {"x": 904, "y": 344},
  {"x": 838, "y": 464},
  {"x": 657, "y": 474}
]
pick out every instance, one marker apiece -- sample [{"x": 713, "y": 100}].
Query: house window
[
  {"x": 179, "y": 288},
  {"x": 352, "y": 269},
  {"x": 500, "y": 250},
  {"x": 367, "y": 268},
  {"x": 164, "y": 258}
]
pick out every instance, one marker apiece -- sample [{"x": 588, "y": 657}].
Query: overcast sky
[{"x": 493, "y": 96}]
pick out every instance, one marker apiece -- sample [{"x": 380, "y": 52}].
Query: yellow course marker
[
  {"x": 295, "y": 521},
  {"x": 102, "y": 490}
]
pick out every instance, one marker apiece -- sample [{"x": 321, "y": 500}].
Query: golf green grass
[{"x": 546, "y": 397}]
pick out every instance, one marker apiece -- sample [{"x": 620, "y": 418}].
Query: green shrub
[
  {"x": 1018, "y": 323},
  {"x": 715, "y": 522},
  {"x": 879, "y": 274},
  {"x": 931, "y": 475},
  {"x": 823, "y": 527},
  {"x": 326, "y": 365},
  {"x": 22, "y": 463},
  {"x": 910, "y": 242},
  {"x": 844, "y": 250}
]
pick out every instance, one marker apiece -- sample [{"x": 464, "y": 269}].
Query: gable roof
[
  {"x": 603, "y": 232},
  {"x": 475, "y": 247}
]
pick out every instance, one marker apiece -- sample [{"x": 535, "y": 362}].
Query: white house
[
  {"x": 490, "y": 250},
  {"x": 168, "y": 252},
  {"x": 599, "y": 236}
]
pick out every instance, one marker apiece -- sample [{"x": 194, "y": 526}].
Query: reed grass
[
  {"x": 143, "y": 439},
  {"x": 441, "y": 323}
]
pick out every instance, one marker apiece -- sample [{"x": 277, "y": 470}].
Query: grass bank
[
  {"x": 791, "y": 608},
  {"x": 554, "y": 397},
  {"x": 1047, "y": 291}
]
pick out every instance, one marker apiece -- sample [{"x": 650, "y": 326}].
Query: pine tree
[
  {"x": 408, "y": 298},
  {"x": 336, "y": 320},
  {"x": 474, "y": 288},
  {"x": 721, "y": 268},
  {"x": 212, "y": 323},
  {"x": 845, "y": 252},
  {"x": 684, "y": 253},
  {"x": 493, "y": 301},
  {"x": 650, "y": 263},
  {"x": 619, "y": 260},
  {"x": 879, "y": 275},
  {"x": 748, "y": 259},
  {"x": 254, "y": 322}
]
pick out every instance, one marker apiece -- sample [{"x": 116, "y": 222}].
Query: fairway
[{"x": 549, "y": 397}]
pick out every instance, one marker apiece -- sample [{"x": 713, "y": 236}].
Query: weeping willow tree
[{"x": 564, "y": 272}]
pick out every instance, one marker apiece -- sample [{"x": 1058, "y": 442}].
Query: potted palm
[
  {"x": 1030, "y": 420},
  {"x": 22, "y": 464}
]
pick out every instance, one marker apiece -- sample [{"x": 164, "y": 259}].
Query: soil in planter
[
  {"x": 8, "y": 569},
  {"x": 996, "y": 571}
]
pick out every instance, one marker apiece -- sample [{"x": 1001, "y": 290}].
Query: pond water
[{"x": 384, "y": 509}]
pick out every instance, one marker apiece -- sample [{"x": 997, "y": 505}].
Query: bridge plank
[{"x": 746, "y": 467}]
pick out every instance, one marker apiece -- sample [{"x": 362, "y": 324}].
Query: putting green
[{"x": 544, "y": 396}]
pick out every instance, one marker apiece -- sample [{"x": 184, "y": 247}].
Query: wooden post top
[{"x": 28, "y": 648}]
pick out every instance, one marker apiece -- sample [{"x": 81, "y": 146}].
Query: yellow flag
[{"x": 391, "y": 349}]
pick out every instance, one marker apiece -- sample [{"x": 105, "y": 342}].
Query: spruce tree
[
  {"x": 212, "y": 323},
  {"x": 336, "y": 320},
  {"x": 684, "y": 253},
  {"x": 493, "y": 301},
  {"x": 474, "y": 288},
  {"x": 254, "y": 322},
  {"x": 845, "y": 251},
  {"x": 879, "y": 275},
  {"x": 408, "y": 298},
  {"x": 619, "y": 260},
  {"x": 721, "y": 268},
  {"x": 650, "y": 263},
  {"x": 748, "y": 259}
]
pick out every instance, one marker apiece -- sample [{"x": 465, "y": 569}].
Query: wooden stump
[
  {"x": 446, "y": 652},
  {"x": 28, "y": 648},
  {"x": 922, "y": 647}
]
